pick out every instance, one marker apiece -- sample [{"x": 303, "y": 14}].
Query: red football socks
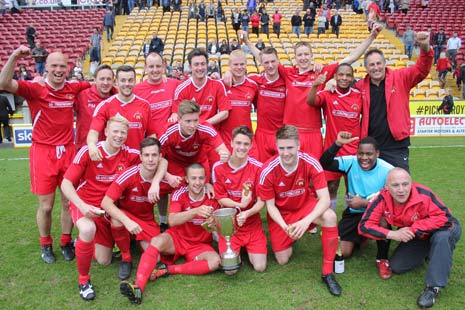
[
  {"x": 147, "y": 263},
  {"x": 84, "y": 252},
  {"x": 65, "y": 239},
  {"x": 123, "y": 241},
  {"x": 329, "y": 244},
  {"x": 46, "y": 241},
  {"x": 197, "y": 267}
]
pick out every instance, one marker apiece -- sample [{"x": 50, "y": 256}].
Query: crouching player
[
  {"x": 135, "y": 213},
  {"x": 294, "y": 188},
  {"x": 366, "y": 174},
  {"x": 190, "y": 207},
  {"x": 235, "y": 184},
  {"x": 95, "y": 177}
]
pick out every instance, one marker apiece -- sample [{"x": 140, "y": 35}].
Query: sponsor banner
[
  {"x": 437, "y": 126},
  {"x": 22, "y": 135},
  {"x": 430, "y": 107}
]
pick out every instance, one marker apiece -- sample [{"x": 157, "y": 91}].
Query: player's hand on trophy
[{"x": 242, "y": 217}]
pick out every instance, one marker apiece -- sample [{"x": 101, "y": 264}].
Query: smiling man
[
  {"x": 135, "y": 109},
  {"x": 52, "y": 148},
  {"x": 366, "y": 175},
  {"x": 427, "y": 231}
]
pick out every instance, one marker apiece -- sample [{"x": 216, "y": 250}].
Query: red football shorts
[
  {"x": 280, "y": 241},
  {"x": 311, "y": 142},
  {"x": 187, "y": 249},
  {"x": 103, "y": 235},
  {"x": 266, "y": 145},
  {"x": 150, "y": 229},
  {"x": 333, "y": 176},
  {"x": 47, "y": 165},
  {"x": 254, "y": 242}
]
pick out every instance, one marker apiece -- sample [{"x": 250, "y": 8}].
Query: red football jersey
[
  {"x": 292, "y": 189},
  {"x": 342, "y": 112},
  {"x": 211, "y": 97},
  {"x": 136, "y": 111},
  {"x": 86, "y": 102},
  {"x": 228, "y": 182},
  {"x": 298, "y": 112},
  {"x": 130, "y": 191},
  {"x": 51, "y": 110},
  {"x": 97, "y": 176},
  {"x": 191, "y": 230},
  {"x": 160, "y": 97},
  {"x": 270, "y": 102},
  {"x": 188, "y": 150},
  {"x": 241, "y": 98}
]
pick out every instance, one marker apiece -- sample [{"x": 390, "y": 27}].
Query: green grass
[{"x": 28, "y": 283}]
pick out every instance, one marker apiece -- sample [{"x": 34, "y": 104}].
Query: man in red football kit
[
  {"x": 427, "y": 230},
  {"x": 235, "y": 184},
  {"x": 210, "y": 94},
  {"x": 342, "y": 109},
  {"x": 241, "y": 96},
  {"x": 135, "y": 109},
  {"x": 294, "y": 188},
  {"x": 158, "y": 91},
  {"x": 88, "y": 99},
  {"x": 299, "y": 79},
  {"x": 188, "y": 141},
  {"x": 134, "y": 213},
  {"x": 190, "y": 207},
  {"x": 95, "y": 236},
  {"x": 52, "y": 148}
]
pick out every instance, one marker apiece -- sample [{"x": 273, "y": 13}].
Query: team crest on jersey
[
  {"x": 414, "y": 217},
  {"x": 248, "y": 97},
  {"x": 196, "y": 146},
  {"x": 120, "y": 167},
  {"x": 387, "y": 214},
  {"x": 69, "y": 96},
  {"x": 137, "y": 116},
  {"x": 355, "y": 107},
  {"x": 300, "y": 183},
  {"x": 249, "y": 184},
  {"x": 210, "y": 99}
]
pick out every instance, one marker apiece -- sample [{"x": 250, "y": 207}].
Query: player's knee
[
  {"x": 282, "y": 259},
  {"x": 329, "y": 218},
  {"x": 259, "y": 266},
  {"x": 103, "y": 260},
  {"x": 46, "y": 207},
  {"x": 87, "y": 231},
  {"x": 214, "y": 263}
]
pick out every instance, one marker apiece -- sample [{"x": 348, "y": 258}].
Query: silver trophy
[{"x": 225, "y": 219}]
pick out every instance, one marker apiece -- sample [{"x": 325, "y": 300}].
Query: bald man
[
  {"x": 426, "y": 229},
  {"x": 52, "y": 149}
]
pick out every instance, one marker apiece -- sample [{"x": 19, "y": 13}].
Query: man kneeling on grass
[
  {"x": 190, "y": 207},
  {"x": 426, "y": 229}
]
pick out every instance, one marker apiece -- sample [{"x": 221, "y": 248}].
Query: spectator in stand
[
  {"x": 146, "y": 47},
  {"x": 443, "y": 66},
  {"x": 277, "y": 16},
  {"x": 309, "y": 21},
  {"x": 220, "y": 17},
  {"x": 265, "y": 22},
  {"x": 234, "y": 45},
  {"x": 213, "y": 49},
  {"x": 447, "y": 103},
  {"x": 202, "y": 12},
  {"x": 461, "y": 79},
  {"x": 260, "y": 45},
  {"x": 192, "y": 9},
  {"x": 326, "y": 12},
  {"x": 31, "y": 36},
  {"x": 236, "y": 19},
  {"x": 408, "y": 38},
  {"x": 251, "y": 5},
  {"x": 166, "y": 5},
  {"x": 2, "y": 7},
  {"x": 453, "y": 46},
  {"x": 336, "y": 22},
  {"x": 95, "y": 41},
  {"x": 255, "y": 20},
  {"x": 245, "y": 19},
  {"x": 156, "y": 44},
  {"x": 404, "y": 6},
  {"x": 321, "y": 24},
  {"x": 296, "y": 22},
  {"x": 40, "y": 55},
  {"x": 224, "y": 47},
  {"x": 109, "y": 24},
  {"x": 439, "y": 41},
  {"x": 22, "y": 74},
  {"x": 261, "y": 7},
  {"x": 212, "y": 67},
  {"x": 211, "y": 9},
  {"x": 177, "y": 5}
]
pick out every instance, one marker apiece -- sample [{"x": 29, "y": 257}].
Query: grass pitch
[{"x": 27, "y": 283}]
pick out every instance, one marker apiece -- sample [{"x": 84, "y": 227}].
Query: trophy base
[
  {"x": 231, "y": 263},
  {"x": 230, "y": 268}
]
